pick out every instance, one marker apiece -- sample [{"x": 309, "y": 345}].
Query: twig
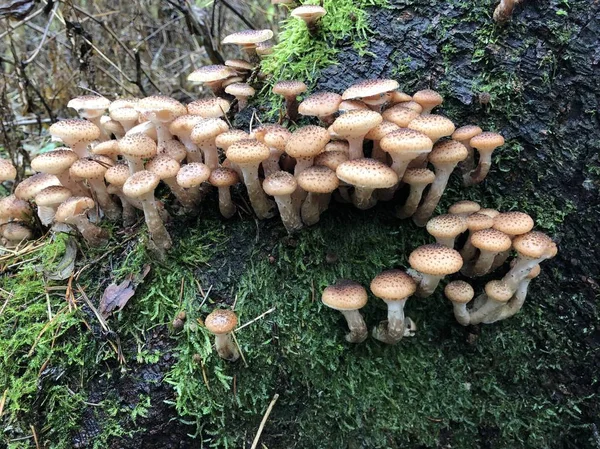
[
  {"x": 35, "y": 438},
  {"x": 3, "y": 401},
  {"x": 271, "y": 310},
  {"x": 45, "y": 35},
  {"x": 10, "y": 295},
  {"x": 235, "y": 340},
  {"x": 264, "y": 421},
  {"x": 22, "y": 22},
  {"x": 239, "y": 15}
]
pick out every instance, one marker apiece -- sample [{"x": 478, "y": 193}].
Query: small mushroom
[
  {"x": 532, "y": 248},
  {"x": 460, "y": 293},
  {"x": 204, "y": 135},
  {"x": 73, "y": 212},
  {"x": 221, "y": 323},
  {"x": 319, "y": 182},
  {"x": 497, "y": 293},
  {"x": 418, "y": 179},
  {"x": 464, "y": 208},
  {"x": 76, "y": 133},
  {"x": 433, "y": 262},
  {"x": 290, "y": 90},
  {"x": 428, "y": 99},
  {"x": 281, "y": 185},
  {"x": 322, "y": 105},
  {"x": 241, "y": 91},
  {"x": 48, "y": 200},
  {"x": 464, "y": 134},
  {"x": 167, "y": 169},
  {"x": 161, "y": 111},
  {"x": 248, "y": 39},
  {"x": 485, "y": 143},
  {"x": 223, "y": 178},
  {"x": 405, "y": 145},
  {"x": 182, "y": 127},
  {"x": 366, "y": 175},
  {"x": 91, "y": 107},
  {"x": 214, "y": 107},
  {"x": 515, "y": 303},
  {"x": 512, "y": 223},
  {"x": 490, "y": 243},
  {"x": 348, "y": 297},
  {"x": 445, "y": 228},
  {"x": 353, "y": 126},
  {"x": 213, "y": 76},
  {"x": 135, "y": 148},
  {"x": 310, "y": 14},
  {"x": 475, "y": 222}
]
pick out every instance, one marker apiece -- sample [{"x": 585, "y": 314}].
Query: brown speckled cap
[
  {"x": 52, "y": 196},
  {"x": 432, "y": 125},
  {"x": 28, "y": 188},
  {"x": 140, "y": 183},
  {"x": 239, "y": 65},
  {"x": 428, "y": 99},
  {"x": 493, "y": 213},
  {"x": 369, "y": 88},
  {"x": 123, "y": 103},
  {"x": 412, "y": 105},
  {"x": 207, "y": 130},
  {"x": 117, "y": 174},
  {"x": 308, "y": 13},
  {"x": 345, "y": 295},
  {"x": 247, "y": 151},
  {"x": 448, "y": 152},
  {"x": 534, "y": 245},
  {"x": 289, "y": 88},
  {"x": 108, "y": 148},
  {"x": 307, "y": 141},
  {"x": 248, "y": 37},
  {"x": 209, "y": 107},
  {"x": 491, "y": 240},
  {"x": 356, "y": 123},
  {"x": 223, "y": 177},
  {"x": 459, "y": 291},
  {"x": 320, "y": 104},
  {"x": 464, "y": 207},
  {"x": 183, "y": 125},
  {"x": 90, "y": 167},
  {"x": 211, "y": 73},
  {"x": 14, "y": 208},
  {"x": 240, "y": 90},
  {"x": 435, "y": 259},
  {"x": 393, "y": 285},
  {"x": 331, "y": 159},
  {"x": 487, "y": 141},
  {"x": 54, "y": 162},
  {"x": 466, "y": 133},
  {"x": 8, "y": 172},
  {"x": 318, "y": 179},
  {"x": 479, "y": 221},
  {"x": 399, "y": 97},
  {"x": 381, "y": 130},
  {"x": 352, "y": 105},
  {"x": 193, "y": 174},
  {"x": 89, "y": 106},
  {"x": 221, "y": 321},
  {"x": 368, "y": 173},
  {"x": 163, "y": 166},
  {"x": 164, "y": 108},
  {"x": 72, "y": 131},
  {"x": 406, "y": 141},
  {"x": 76, "y": 205},
  {"x": 16, "y": 232},
  {"x": 137, "y": 145},
  {"x": 224, "y": 140},
  {"x": 418, "y": 176},
  {"x": 513, "y": 223},
  {"x": 174, "y": 149},
  {"x": 280, "y": 183},
  {"x": 498, "y": 291},
  {"x": 400, "y": 115},
  {"x": 446, "y": 226}
]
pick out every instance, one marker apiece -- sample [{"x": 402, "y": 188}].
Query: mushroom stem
[
  {"x": 484, "y": 262},
  {"x": 135, "y": 164},
  {"x": 356, "y": 324},
  {"x": 162, "y": 134},
  {"x": 391, "y": 330},
  {"x": 91, "y": 233},
  {"x": 423, "y": 213},
  {"x": 289, "y": 213},
  {"x": 378, "y": 153},
  {"x": 188, "y": 198},
  {"x": 461, "y": 313},
  {"x": 260, "y": 203},
  {"x": 211, "y": 156},
  {"x": 412, "y": 202},
  {"x": 311, "y": 209},
  {"x": 271, "y": 165},
  {"x": 479, "y": 174},
  {"x": 467, "y": 166},
  {"x": 363, "y": 197},
  {"x": 128, "y": 210},
  {"x": 515, "y": 303},
  {"x": 489, "y": 307},
  {"x": 291, "y": 108},
  {"x": 110, "y": 208},
  {"x": 427, "y": 285},
  {"x": 75, "y": 187},
  {"x": 156, "y": 227},
  {"x": 81, "y": 148},
  {"x": 519, "y": 272},
  {"x": 399, "y": 165},
  {"x": 302, "y": 163},
  {"x": 193, "y": 152},
  {"x": 355, "y": 150},
  {"x": 226, "y": 348},
  {"x": 468, "y": 251},
  {"x": 226, "y": 206},
  {"x": 500, "y": 259}
]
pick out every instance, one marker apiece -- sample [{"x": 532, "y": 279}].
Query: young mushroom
[
  {"x": 73, "y": 212},
  {"x": 353, "y": 126},
  {"x": 76, "y": 133},
  {"x": 532, "y": 248},
  {"x": 464, "y": 208},
  {"x": 223, "y": 178},
  {"x": 161, "y": 111},
  {"x": 445, "y": 228},
  {"x": 248, "y": 39},
  {"x": 405, "y": 145},
  {"x": 182, "y": 127},
  {"x": 204, "y": 135},
  {"x": 319, "y": 182},
  {"x": 305, "y": 144},
  {"x": 322, "y": 105},
  {"x": 394, "y": 287},
  {"x": 91, "y": 107},
  {"x": 418, "y": 179},
  {"x": 515, "y": 303},
  {"x": 433, "y": 126},
  {"x": 348, "y": 297},
  {"x": 475, "y": 222},
  {"x": 366, "y": 175},
  {"x": 213, "y": 107},
  {"x": 512, "y": 223},
  {"x": 280, "y": 185},
  {"x": 497, "y": 294},
  {"x": 135, "y": 148},
  {"x": 485, "y": 143},
  {"x": 464, "y": 134},
  {"x": 310, "y": 14},
  {"x": 290, "y": 91},
  {"x": 167, "y": 169},
  {"x": 490, "y": 243},
  {"x": 213, "y": 76},
  {"x": 460, "y": 293},
  {"x": 190, "y": 177},
  {"x": 428, "y": 99},
  {"x": 221, "y": 323},
  {"x": 241, "y": 91},
  {"x": 48, "y": 200},
  {"x": 433, "y": 262}
]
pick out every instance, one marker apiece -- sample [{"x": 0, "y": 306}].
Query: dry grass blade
[{"x": 264, "y": 421}]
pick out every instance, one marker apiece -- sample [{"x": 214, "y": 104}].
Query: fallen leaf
[
  {"x": 115, "y": 297},
  {"x": 65, "y": 267}
]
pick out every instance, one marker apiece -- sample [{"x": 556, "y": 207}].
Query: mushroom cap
[
  {"x": 432, "y": 125},
  {"x": 399, "y": 97},
  {"x": 320, "y": 104},
  {"x": 211, "y": 73},
  {"x": 352, "y": 105},
  {"x": 163, "y": 166},
  {"x": 331, "y": 159},
  {"x": 435, "y": 259},
  {"x": 406, "y": 141},
  {"x": 8, "y": 172},
  {"x": 487, "y": 141},
  {"x": 535, "y": 272},
  {"x": 318, "y": 179},
  {"x": 164, "y": 108},
  {"x": 418, "y": 176},
  {"x": 368, "y": 173},
  {"x": 125, "y": 114},
  {"x": 497, "y": 290},
  {"x": 428, "y": 98},
  {"x": 479, "y": 221},
  {"x": 259, "y": 132},
  {"x": 140, "y": 184},
  {"x": 117, "y": 174},
  {"x": 345, "y": 295},
  {"x": 28, "y": 188},
  {"x": 459, "y": 291},
  {"x": 111, "y": 126},
  {"x": 239, "y": 65},
  {"x": 137, "y": 145},
  {"x": 183, "y": 125},
  {"x": 513, "y": 223},
  {"x": 123, "y": 103},
  {"x": 54, "y": 162},
  {"x": 308, "y": 13},
  {"x": 108, "y": 148},
  {"x": 224, "y": 140},
  {"x": 212, "y": 107},
  {"x": 174, "y": 149},
  {"x": 247, "y": 151},
  {"x": 207, "y": 130},
  {"x": 400, "y": 115},
  {"x": 264, "y": 48},
  {"x": 356, "y": 123},
  {"x": 16, "y": 232},
  {"x": 221, "y": 321},
  {"x": 289, "y": 88},
  {"x": 338, "y": 145},
  {"x": 393, "y": 285},
  {"x": 448, "y": 152},
  {"x": 276, "y": 137},
  {"x": 52, "y": 196},
  {"x": 307, "y": 141},
  {"x": 534, "y": 245},
  {"x": 145, "y": 127},
  {"x": 90, "y": 168},
  {"x": 280, "y": 183},
  {"x": 381, "y": 130},
  {"x": 248, "y": 37},
  {"x": 76, "y": 205},
  {"x": 369, "y": 88},
  {"x": 14, "y": 208},
  {"x": 89, "y": 102},
  {"x": 489, "y": 212},
  {"x": 240, "y": 90},
  {"x": 446, "y": 226},
  {"x": 464, "y": 207},
  {"x": 193, "y": 174},
  {"x": 466, "y": 132},
  {"x": 74, "y": 130},
  {"x": 223, "y": 177},
  {"x": 413, "y": 105},
  {"x": 491, "y": 240}
]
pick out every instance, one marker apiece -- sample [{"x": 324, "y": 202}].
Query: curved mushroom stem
[
  {"x": 520, "y": 271},
  {"x": 514, "y": 305},
  {"x": 489, "y": 307},
  {"x": 468, "y": 251},
  {"x": 242, "y": 103},
  {"x": 135, "y": 164},
  {"x": 156, "y": 227},
  {"x": 500, "y": 259},
  {"x": 363, "y": 198},
  {"x": 467, "y": 166},
  {"x": 110, "y": 208},
  {"x": 258, "y": 199},
  {"x": 377, "y": 153},
  {"x": 289, "y": 213},
  {"x": 302, "y": 163},
  {"x": 412, "y": 202},
  {"x": 188, "y": 198},
  {"x": 423, "y": 213},
  {"x": 128, "y": 211},
  {"x": 81, "y": 148},
  {"x": 211, "y": 155},
  {"x": 46, "y": 214},
  {"x": 271, "y": 165},
  {"x": 356, "y": 324},
  {"x": 461, "y": 313},
  {"x": 391, "y": 330},
  {"x": 355, "y": 150},
  {"x": 484, "y": 263},
  {"x": 479, "y": 174},
  {"x": 310, "y": 210},
  {"x": 291, "y": 108},
  {"x": 427, "y": 285},
  {"x": 419, "y": 162},
  {"x": 193, "y": 152},
  {"x": 400, "y": 164},
  {"x": 91, "y": 233},
  {"x": 162, "y": 134},
  {"x": 226, "y": 206},
  {"x": 226, "y": 348}
]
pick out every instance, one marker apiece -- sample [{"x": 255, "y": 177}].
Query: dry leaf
[{"x": 115, "y": 297}]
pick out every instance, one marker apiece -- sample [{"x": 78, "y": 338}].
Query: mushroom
[
  {"x": 397, "y": 96},
  {"x": 412, "y": 105},
  {"x": 366, "y": 175},
  {"x": 223, "y": 178},
  {"x": 444, "y": 157},
  {"x": 332, "y": 159},
  {"x": 322, "y": 105},
  {"x": 167, "y": 169},
  {"x": 182, "y": 127},
  {"x": 433, "y": 262},
  {"x": 515, "y": 303},
  {"x": 304, "y": 144},
  {"x": 213, "y": 76},
  {"x": 280, "y": 185},
  {"x": 493, "y": 213},
  {"x": 57, "y": 163},
  {"x": 108, "y": 148},
  {"x": 464, "y": 208},
  {"x": 128, "y": 116},
  {"x": 348, "y": 297},
  {"x": 428, "y": 99},
  {"x": 310, "y": 14},
  {"x": 214, "y": 107},
  {"x": 221, "y": 323},
  {"x": 497, "y": 293},
  {"x": 352, "y": 105},
  {"x": 512, "y": 223},
  {"x": 353, "y": 126},
  {"x": 8, "y": 171},
  {"x": 248, "y": 39},
  {"x": 111, "y": 127},
  {"x": 376, "y": 134},
  {"x": 404, "y": 145},
  {"x": 190, "y": 176},
  {"x": 370, "y": 90},
  {"x": 394, "y": 287},
  {"x": 73, "y": 212},
  {"x": 532, "y": 248},
  {"x": 161, "y": 111},
  {"x": 135, "y": 148},
  {"x": 276, "y": 138},
  {"x": 464, "y": 134},
  {"x": 29, "y": 188},
  {"x": 48, "y": 200},
  {"x": 141, "y": 185},
  {"x": 175, "y": 150},
  {"x": 15, "y": 233},
  {"x": 319, "y": 182},
  {"x": 76, "y": 133},
  {"x": 475, "y": 222},
  {"x": 485, "y": 143},
  {"x": 399, "y": 115},
  {"x": 116, "y": 176},
  {"x": 418, "y": 179},
  {"x": 13, "y": 208},
  {"x": 460, "y": 293},
  {"x": 241, "y": 67},
  {"x": 290, "y": 91},
  {"x": 204, "y": 135},
  {"x": 433, "y": 126},
  {"x": 91, "y": 107},
  {"x": 445, "y": 228},
  {"x": 241, "y": 91},
  {"x": 490, "y": 243},
  {"x": 248, "y": 154}
]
